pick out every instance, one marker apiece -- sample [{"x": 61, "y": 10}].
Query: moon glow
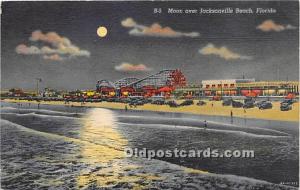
[{"x": 102, "y": 31}]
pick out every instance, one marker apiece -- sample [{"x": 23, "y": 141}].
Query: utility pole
[
  {"x": 277, "y": 71},
  {"x": 221, "y": 90},
  {"x": 38, "y": 80}
]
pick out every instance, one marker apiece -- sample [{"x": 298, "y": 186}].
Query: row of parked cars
[
  {"x": 251, "y": 103},
  {"x": 285, "y": 105},
  {"x": 29, "y": 98},
  {"x": 172, "y": 103},
  {"x": 248, "y": 103}
]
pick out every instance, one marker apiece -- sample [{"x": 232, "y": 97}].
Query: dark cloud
[{"x": 76, "y": 23}]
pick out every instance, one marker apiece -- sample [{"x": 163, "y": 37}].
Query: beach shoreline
[{"x": 212, "y": 108}]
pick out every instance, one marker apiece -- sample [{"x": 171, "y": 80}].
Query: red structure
[
  {"x": 290, "y": 96},
  {"x": 149, "y": 91},
  {"x": 177, "y": 79}
]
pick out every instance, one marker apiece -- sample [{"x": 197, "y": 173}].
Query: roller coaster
[
  {"x": 125, "y": 82},
  {"x": 160, "y": 83}
]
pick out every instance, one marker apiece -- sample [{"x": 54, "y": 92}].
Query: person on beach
[
  {"x": 38, "y": 105},
  {"x": 205, "y": 124},
  {"x": 126, "y": 108}
]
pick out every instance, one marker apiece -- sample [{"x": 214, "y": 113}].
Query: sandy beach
[{"x": 211, "y": 108}]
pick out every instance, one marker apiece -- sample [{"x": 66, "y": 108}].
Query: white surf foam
[
  {"x": 40, "y": 115},
  {"x": 201, "y": 128}
]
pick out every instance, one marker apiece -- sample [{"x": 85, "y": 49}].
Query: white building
[{"x": 224, "y": 83}]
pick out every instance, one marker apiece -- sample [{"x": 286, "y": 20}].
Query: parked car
[
  {"x": 236, "y": 104},
  {"x": 249, "y": 99},
  {"x": 285, "y": 107},
  {"x": 46, "y": 99},
  {"x": 89, "y": 100},
  {"x": 265, "y": 105},
  {"x": 257, "y": 104},
  {"x": 227, "y": 102},
  {"x": 75, "y": 99},
  {"x": 140, "y": 102},
  {"x": 187, "y": 103},
  {"x": 125, "y": 100},
  {"x": 81, "y": 99},
  {"x": 290, "y": 102},
  {"x": 117, "y": 100},
  {"x": 97, "y": 100},
  {"x": 38, "y": 99},
  {"x": 136, "y": 102},
  {"x": 158, "y": 102},
  {"x": 29, "y": 98},
  {"x": 201, "y": 103},
  {"x": 111, "y": 100},
  {"x": 56, "y": 99},
  {"x": 173, "y": 104},
  {"x": 249, "y": 104},
  {"x": 104, "y": 99},
  {"x": 148, "y": 100}
]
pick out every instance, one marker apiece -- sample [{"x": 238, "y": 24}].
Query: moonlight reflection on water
[{"x": 102, "y": 150}]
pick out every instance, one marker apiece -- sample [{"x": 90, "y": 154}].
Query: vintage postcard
[{"x": 149, "y": 95}]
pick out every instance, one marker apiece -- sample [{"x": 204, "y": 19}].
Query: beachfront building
[
  {"x": 48, "y": 92},
  {"x": 15, "y": 92},
  {"x": 269, "y": 88},
  {"x": 239, "y": 87},
  {"x": 224, "y": 87}
]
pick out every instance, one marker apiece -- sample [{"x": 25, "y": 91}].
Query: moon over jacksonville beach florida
[{"x": 150, "y": 95}]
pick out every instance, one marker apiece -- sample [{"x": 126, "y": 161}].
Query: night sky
[{"x": 203, "y": 46}]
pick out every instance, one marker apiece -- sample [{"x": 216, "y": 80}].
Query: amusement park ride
[{"x": 158, "y": 84}]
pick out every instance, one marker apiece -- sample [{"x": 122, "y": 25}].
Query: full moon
[{"x": 102, "y": 31}]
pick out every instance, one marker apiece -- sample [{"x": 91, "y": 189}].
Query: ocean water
[{"x": 64, "y": 147}]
